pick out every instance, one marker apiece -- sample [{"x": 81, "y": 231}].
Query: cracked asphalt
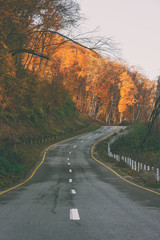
[{"x": 89, "y": 202}]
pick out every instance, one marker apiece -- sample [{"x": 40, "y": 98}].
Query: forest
[
  {"x": 37, "y": 63},
  {"x": 48, "y": 80}
]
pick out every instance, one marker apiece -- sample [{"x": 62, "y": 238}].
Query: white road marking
[
  {"x": 70, "y": 170},
  {"x": 89, "y": 137},
  {"x": 69, "y": 152},
  {"x": 69, "y": 164},
  {"x": 82, "y": 141},
  {"x": 74, "y": 146},
  {"x": 70, "y": 180},
  {"x": 74, "y": 215},
  {"x": 67, "y": 159},
  {"x": 73, "y": 191}
]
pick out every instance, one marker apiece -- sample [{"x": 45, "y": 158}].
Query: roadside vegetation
[
  {"x": 17, "y": 159},
  {"x": 130, "y": 145},
  {"x": 50, "y": 84},
  {"x": 35, "y": 108}
]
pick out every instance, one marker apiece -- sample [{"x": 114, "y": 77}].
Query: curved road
[{"x": 72, "y": 197}]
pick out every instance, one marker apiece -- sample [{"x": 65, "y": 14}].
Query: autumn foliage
[
  {"x": 38, "y": 66},
  {"x": 46, "y": 78},
  {"x": 100, "y": 88}
]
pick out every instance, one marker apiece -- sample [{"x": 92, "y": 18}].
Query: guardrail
[
  {"x": 134, "y": 165},
  {"x": 40, "y": 139}
]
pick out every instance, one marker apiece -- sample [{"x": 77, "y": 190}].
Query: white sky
[{"x": 135, "y": 24}]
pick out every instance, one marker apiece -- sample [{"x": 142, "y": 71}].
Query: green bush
[
  {"x": 130, "y": 145},
  {"x": 131, "y": 141},
  {"x": 7, "y": 115}
]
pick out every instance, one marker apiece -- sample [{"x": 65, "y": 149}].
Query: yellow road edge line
[
  {"x": 34, "y": 171},
  {"x": 43, "y": 158},
  {"x": 134, "y": 184}
]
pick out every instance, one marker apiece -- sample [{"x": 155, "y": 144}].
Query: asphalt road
[{"x": 72, "y": 197}]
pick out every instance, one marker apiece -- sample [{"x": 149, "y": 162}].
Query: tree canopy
[{"x": 36, "y": 60}]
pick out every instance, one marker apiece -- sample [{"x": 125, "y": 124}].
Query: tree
[
  {"x": 154, "y": 115},
  {"x": 21, "y": 19},
  {"x": 128, "y": 92}
]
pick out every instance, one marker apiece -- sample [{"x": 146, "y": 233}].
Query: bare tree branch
[
  {"x": 98, "y": 43},
  {"x": 30, "y": 51}
]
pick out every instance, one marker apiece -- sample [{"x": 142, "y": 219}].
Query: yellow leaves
[
  {"x": 87, "y": 88},
  {"x": 128, "y": 91},
  {"x": 92, "y": 82},
  {"x": 71, "y": 58},
  {"x": 122, "y": 106}
]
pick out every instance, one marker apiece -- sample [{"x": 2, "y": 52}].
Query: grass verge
[
  {"x": 129, "y": 145},
  {"x": 16, "y": 163}
]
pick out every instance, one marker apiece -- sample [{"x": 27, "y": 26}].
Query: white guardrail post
[
  {"x": 138, "y": 166},
  {"x": 130, "y": 162},
  {"x": 133, "y": 164},
  {"x": 157, "y": 174}
]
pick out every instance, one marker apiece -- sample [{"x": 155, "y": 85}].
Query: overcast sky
[{"x": 135, "y": 24}]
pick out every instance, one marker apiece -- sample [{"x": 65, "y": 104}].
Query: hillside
[
  {"x": 23, "y": 137},
  {"x": 101, "y": 88},
  {"x": 49, "y": 83}
]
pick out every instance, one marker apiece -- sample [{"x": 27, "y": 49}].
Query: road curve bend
[{"x": 72, "y": 197}]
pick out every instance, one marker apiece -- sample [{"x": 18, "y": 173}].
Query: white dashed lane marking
[
  {"x": 73, "y": 191},
  {"x": 74, "y": 215},
  {"x": 70, "y": 180},
  {"x": 67, "y": 159},
  {"x": 70, "y": 170},
  {"x": 69, "y": 152},
  {"x": 81, "y": 141},
  {"x": 74, "y": 146},
  {"x": 69, "y": 164}
]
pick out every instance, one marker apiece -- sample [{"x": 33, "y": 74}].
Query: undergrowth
[
  {"x": 16, "y": 162},
  {"x": 130, "y": 145}
]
